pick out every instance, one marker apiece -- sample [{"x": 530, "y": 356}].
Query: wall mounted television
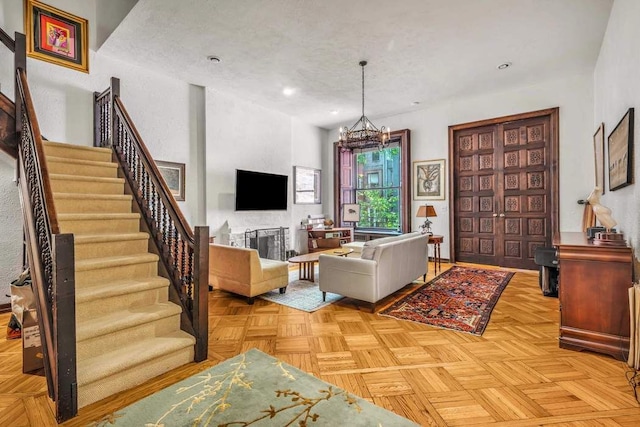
[{"x": 259, "y": 191}]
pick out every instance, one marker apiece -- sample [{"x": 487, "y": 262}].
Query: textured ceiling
[{"x": 427, "y": 51}]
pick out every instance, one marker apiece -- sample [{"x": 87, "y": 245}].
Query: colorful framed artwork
[
  {"x": 173, "y": 174},
  {"x": 598, "y": 150},
  {"x": 56, "y": 36},
  {"x": 429, "y": 179},
  {"x": 621, "y": 153}
]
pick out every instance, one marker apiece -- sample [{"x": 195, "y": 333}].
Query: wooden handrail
[
  {"x": 183, "y": 225},
  {"x": 31, "y": 113},
  {"x": 7, "y": 40},
  {"x": 8, "y": 136}
]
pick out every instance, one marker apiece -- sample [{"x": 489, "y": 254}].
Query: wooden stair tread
[
  {"x": 130, "y": 355},
  {"x": 119, "y": 287},
  {"x": 124, "y": 319}
]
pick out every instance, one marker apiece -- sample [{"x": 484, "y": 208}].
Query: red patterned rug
[{"x": 461, "y": 299}]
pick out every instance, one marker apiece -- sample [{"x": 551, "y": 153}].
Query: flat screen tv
[{"x": 258, "y": 191}]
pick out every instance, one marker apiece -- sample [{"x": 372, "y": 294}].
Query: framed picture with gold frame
[{"x": 56, "y": 36}]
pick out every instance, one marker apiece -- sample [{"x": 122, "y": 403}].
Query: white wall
[
  {"x": 243, "y": 135},
  {"x": 617, "y": 88},
  {"x": 430, "y": 139}
]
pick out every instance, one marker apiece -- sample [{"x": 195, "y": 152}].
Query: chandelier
[{"x": 363, "y": 134}]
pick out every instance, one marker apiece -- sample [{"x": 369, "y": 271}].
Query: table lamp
[{"x": 426, "y": 211}]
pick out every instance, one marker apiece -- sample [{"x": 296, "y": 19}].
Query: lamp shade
[{"x": 426, "y": 211}]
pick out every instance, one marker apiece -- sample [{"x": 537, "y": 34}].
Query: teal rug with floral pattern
[{"x": 252, "y": 389}]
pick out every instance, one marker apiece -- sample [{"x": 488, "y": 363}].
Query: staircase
[{"x": 127, "y": 331}]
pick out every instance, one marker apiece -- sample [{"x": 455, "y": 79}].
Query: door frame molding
[{"x": 554, "y": 120}]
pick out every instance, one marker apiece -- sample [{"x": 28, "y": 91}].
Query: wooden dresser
[{"x": 593, "y": 293}]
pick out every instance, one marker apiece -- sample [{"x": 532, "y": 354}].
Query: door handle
[
  {"x": 501, "y": 215},
  {"x": 495, "y": 215}
]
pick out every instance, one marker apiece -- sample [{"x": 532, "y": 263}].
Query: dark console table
[{"x": 593, "y": 294}]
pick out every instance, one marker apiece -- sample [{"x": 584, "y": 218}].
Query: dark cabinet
[{"x": 593, "y": 295}]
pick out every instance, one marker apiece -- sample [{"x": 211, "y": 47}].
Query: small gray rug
[{"x": 301, "y": 294}]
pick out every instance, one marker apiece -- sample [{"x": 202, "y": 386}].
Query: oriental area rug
[
  {"x": 461, "y": 299},
  {"x": 301, "y": 294},
  {"x": 252, "y": 389}
]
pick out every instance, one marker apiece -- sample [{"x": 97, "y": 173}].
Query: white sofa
[{"x": 385, "y": 266}]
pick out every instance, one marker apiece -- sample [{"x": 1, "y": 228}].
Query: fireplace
[{"x": 271, "y": 243}]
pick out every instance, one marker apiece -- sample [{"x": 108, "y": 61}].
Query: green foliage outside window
[{"x": 379, "y": 206}]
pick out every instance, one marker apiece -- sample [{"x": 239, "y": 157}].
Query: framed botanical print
[
  {"x": 56, "y": 36},
  {"x": 173, "y": 174},
  {"x": 621, "y": 153},
  {"x": 429, "y": 179}
]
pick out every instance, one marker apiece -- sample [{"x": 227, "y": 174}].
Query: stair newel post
[
  {"x": 64, "y": 319},
  {"x": 20, "y": 62},
  {"x": 113, "y": 92},
  {"x": 201, "y": 292}
]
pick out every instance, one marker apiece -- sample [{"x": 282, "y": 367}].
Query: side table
[{"x": 435, "y": 241}]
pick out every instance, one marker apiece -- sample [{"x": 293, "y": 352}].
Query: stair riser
[
  {"x": 108, "y": 249},
  {"x": 64, "y": 205},
  {"x": 99, "y": 345},
  {"x": 86, "y": 187},
  {"x": 73, "y": 153},
  {"x": 102, "y": 275},
  {"x": 125, "y": 380},
  {"x": 91, "y": 309},
  {"x": 82, "y": 170},
  {"x": 100, "y": 226}
]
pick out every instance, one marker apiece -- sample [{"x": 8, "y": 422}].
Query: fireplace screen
[{"x": 271, "y": 243}]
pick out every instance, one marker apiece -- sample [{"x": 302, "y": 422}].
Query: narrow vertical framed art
[
  {"x": 620, "y": 147},
  {"x": 598, "y": 151},
  {"x": 56, "y": 36}
]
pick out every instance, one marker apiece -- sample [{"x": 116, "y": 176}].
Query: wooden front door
[{"x": 504, "y": 188}]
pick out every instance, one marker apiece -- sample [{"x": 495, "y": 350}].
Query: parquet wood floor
[{"x": 514, "y": 375}]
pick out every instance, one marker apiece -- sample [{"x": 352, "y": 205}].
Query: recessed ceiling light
[
  {"x": 334, "y": 112},
  {"x": 504, "y": 65},
  {"x": 288, "y": 91},
  {"x": 213, "y": 59}
]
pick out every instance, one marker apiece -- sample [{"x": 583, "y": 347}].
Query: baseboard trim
[{"x": 5, "y": 308}]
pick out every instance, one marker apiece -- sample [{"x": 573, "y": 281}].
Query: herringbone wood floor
[{"x": 514, "y": 375}]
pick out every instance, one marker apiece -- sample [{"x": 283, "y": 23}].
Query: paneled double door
[{"x": 504, "y": 188}]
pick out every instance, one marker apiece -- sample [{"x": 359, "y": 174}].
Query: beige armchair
[{"x": 243, "y": 272}]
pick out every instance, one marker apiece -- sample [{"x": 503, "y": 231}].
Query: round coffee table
[{"x": 306, "y": 262}]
